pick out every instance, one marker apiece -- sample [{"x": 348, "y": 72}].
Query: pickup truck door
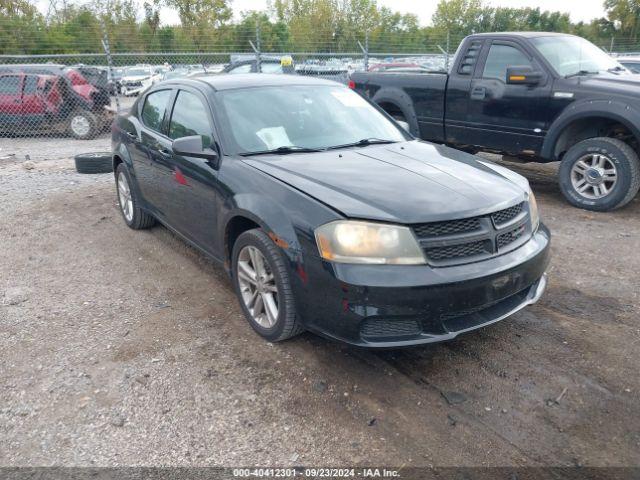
[{"x": 506, "y": 117}]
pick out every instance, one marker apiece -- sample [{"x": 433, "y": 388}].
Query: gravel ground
[{"x": 129, "y": 348}]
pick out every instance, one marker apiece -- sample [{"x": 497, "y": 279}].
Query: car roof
[
  {"x": 250, "y": 80},
  {"x": 522, "y": 34}
]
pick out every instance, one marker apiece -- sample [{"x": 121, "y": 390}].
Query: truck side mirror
[{"x": 523, "y": 76}]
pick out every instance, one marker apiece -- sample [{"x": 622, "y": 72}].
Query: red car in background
[{"x": 39, "y": 99}]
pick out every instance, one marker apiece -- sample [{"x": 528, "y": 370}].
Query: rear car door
[
  {"x": 149, "y": 150},
  {"x": 194, "y": 189},
  {"x": 507, "y": 117},
  {"x": 33, "y": 104},
  {"x": 11, "y": 114}
]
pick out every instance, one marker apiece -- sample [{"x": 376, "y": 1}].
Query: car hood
[
  {"x": 136, "y": 78},
  {"x": 408, "y": 182}
]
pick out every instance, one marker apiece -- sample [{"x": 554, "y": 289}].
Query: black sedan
[{"x": 327, "y": 215}]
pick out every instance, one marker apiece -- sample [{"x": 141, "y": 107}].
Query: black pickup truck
[{"x": 537, "y": 96}]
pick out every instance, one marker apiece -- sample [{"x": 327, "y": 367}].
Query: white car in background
[{"x": 137, "y": 79}]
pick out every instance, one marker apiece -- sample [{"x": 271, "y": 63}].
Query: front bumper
[{"x": 396, "y": 306}]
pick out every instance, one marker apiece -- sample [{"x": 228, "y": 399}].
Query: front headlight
[
  {"x": 347, "y": 241},
  {"x": 533, "y": 211}
]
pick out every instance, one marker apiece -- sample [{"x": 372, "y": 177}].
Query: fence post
[
  {"x": 446, "y": 57},
  {"x": 258, "y": 62},
  {"x": 365, "y": 50},
  {"x": 107, "y": 51}
]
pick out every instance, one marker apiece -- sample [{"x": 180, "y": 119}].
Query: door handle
[
  {"x": 132, "y": 136},
  {"x": 165, "y": 151},
  {"x": 478, "y": 93}
]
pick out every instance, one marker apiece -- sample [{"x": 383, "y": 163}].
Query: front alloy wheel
[
  {"x": 600, "y": 174},
  {"x": 258, "y": 286},
  {"x": 263, "y": 286},
  {"x": 594, "y": 175}
]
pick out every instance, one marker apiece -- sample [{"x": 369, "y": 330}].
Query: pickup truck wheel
[
  {"x": 82, "y": 124},
  {"x": 262, "y": 284},
  {"x": 600, "y": 174}
]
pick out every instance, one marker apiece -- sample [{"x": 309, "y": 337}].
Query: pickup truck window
[
  {"x": 569, "y": 55},
  {"x": 500, "y": 58},
  {"x": 470, "y": 58}
]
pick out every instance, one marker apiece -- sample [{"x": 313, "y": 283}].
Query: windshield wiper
[
  {"x": 281, "y": 151},
  {"x": 580, "y": 73},
  {"x": 363, "y": 143}
]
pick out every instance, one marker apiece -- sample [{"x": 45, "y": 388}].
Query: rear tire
[
  {"x": 600, "y": 174},
  {"x": 82, "y": 124},
  {"x": 133, "y": 215},
  {"x": 270, "y": 285}
]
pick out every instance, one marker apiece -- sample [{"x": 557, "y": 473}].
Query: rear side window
[
  {"x": 189, "y": 118},
  {"x": 470, "y": 58},
  {"x": 500, "y": 57},
  {"x": 154, "y": 107},
  {"x": 10, "y": 85},
  {"x": 30, "y": 84}
]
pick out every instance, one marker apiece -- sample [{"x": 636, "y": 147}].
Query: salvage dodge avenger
[{"x": 328, "y": 216}]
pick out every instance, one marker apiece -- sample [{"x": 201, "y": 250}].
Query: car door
[
  {"x": 151, "y": 150},
  {"x": 194, "y": 188},
  {"x": 33, "y": 104},
  {"x": 507, "y": 117},
  {"x": 11, "y": 114}
]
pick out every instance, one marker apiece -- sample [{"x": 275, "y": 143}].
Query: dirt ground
[{"x": 129, "y": 348}]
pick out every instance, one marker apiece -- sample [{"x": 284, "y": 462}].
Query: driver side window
[
  {"x": 189, "y": 118},
  {"x": 500, "y": 58}
]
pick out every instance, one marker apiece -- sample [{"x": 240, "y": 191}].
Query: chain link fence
[{"x": 76, "y": 95}]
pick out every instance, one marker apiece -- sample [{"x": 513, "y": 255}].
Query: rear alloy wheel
[
  {"x": 83, "y": 125},
  {"x": 600, "y": 174},
  {"x": 262, "y": 284},
  {"x": 133, "y": 215}
]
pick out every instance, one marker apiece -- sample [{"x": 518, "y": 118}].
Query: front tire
[
  {"x": 133, "y": 215},
  {"x": 262, "y": 284},
  {"x": 600, "y": 174}
]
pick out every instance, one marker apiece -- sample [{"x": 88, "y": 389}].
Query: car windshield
[
  {"x": 570, "y": 55},
  {"x": 137, "y": 72},
  {"x": 312, "y": 117}
]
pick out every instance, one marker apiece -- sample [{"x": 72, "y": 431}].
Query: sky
[{"x": 584, "y": 10}]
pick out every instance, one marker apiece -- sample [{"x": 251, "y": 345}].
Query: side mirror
[
  {"x": 523, "y": 76},
  {"x": 192, "y": 147}
]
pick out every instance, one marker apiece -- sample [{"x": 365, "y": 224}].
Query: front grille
[
  {"x": 506, "y": 215},
  {"x": 461, "y": 250},
  {"x": 438, "y": 229},
  {"x": 505, "y": 239},
  {"x": 133, "y": 84},
  {"x": 386, "y": 328},
  {"x": 458, "y": 241}
]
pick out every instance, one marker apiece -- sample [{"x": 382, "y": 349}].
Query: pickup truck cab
[{"x": 537, "y": 96}]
